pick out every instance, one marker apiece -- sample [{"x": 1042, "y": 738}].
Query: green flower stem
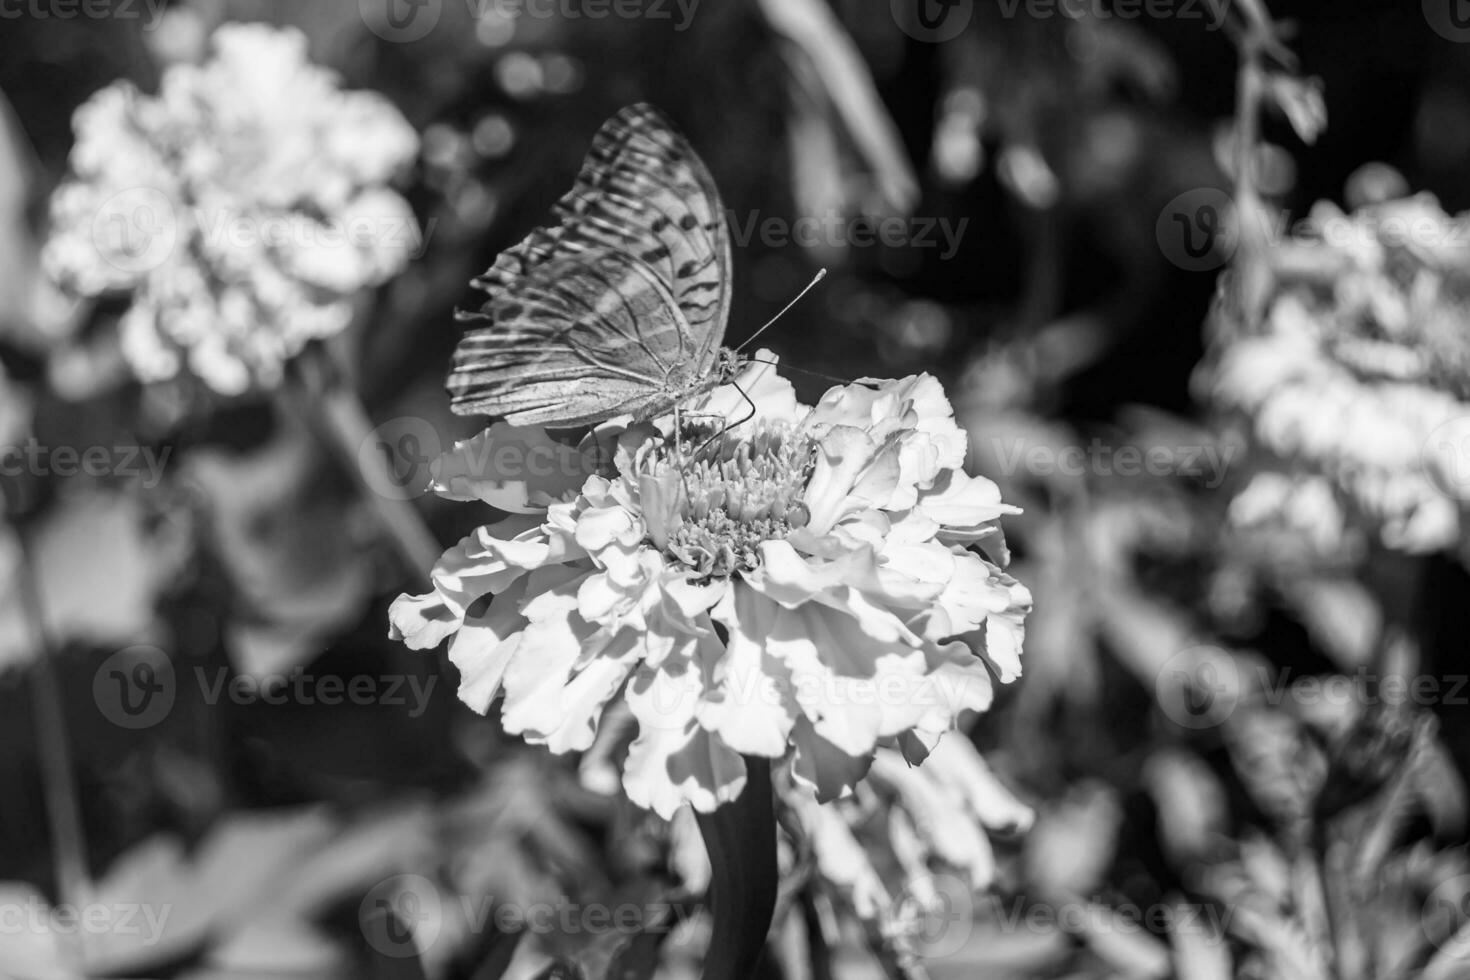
[
  {"x": 348, "y": 424},
  {"x": 53, "y": 746},
  {"x": 316, "y": 388},
  {"x": 741, "y": 839}
]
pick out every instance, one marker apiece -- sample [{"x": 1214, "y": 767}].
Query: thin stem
[
  {"x": 315, "y": 387},
  {"x": 348, "y": 425},
  {"x": 53, "y": 745}
]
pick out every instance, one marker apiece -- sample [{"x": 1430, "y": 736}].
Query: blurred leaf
[
  {"x": 293, "y": 542},
  {"x": 816, "y": 34}
]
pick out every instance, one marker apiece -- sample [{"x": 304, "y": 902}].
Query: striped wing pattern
[{"x": 620, "y": 305}]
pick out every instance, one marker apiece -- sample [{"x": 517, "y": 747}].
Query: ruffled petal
[
  {"x": 752, "y": 705},
  {"x": 843, "y": 453},
  {"x": 484, "y": 563},
  {"x": 822, "y": 767},
  {"x": 512, "y": 468},
  {"x": 484, "y": 646},
  {"x": 852, "y": 691},
  {"x": 674, "y": 760},
  {"x": 964, "y": 503}
]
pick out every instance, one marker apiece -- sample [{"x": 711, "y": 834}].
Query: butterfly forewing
[
  {"x": 618, "y": 308},
  {"x": 583, "y": 347}
]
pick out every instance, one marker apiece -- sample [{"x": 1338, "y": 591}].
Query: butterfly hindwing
[{"x": 619, "y": 306}]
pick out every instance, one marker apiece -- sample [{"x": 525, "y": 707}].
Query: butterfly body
[{"x": 620, "y": 306}]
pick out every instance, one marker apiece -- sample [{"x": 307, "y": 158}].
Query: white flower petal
[
  {"x": 484, "y": 646},
  {"x": 669, "y": 767},
  {"x": 515, "y": 469},
  {"x": 752, "y": 706}
]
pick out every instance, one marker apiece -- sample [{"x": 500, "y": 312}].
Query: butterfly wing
[
  {"x": 582, "y": 341},
  {"x": 619, "y": 304}
]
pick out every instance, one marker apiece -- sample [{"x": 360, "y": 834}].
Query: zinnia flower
[
  {"x": 242, "y": 206},
  {"x": 803, "y": 584}
]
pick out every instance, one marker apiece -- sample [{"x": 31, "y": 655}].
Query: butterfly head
[{"x": 728, "y": 364}]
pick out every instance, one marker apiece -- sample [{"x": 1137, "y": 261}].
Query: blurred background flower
[{"x": 244, "y": 206}]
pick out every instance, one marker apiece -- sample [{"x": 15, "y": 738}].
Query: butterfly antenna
[
  {"x": 822, "y": 274},
  {"x": 730, "y": 425},
  {"x": 814, "y": 374}
]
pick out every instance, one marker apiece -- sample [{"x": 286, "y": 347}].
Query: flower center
[{"x": 739, "y": 492}]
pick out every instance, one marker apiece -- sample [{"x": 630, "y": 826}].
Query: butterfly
[{"x": 619, "y": 306}]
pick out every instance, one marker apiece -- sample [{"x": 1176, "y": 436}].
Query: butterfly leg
[
  {"x": 678, "y": 435},
  {"x": 729, "y": 425}
]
